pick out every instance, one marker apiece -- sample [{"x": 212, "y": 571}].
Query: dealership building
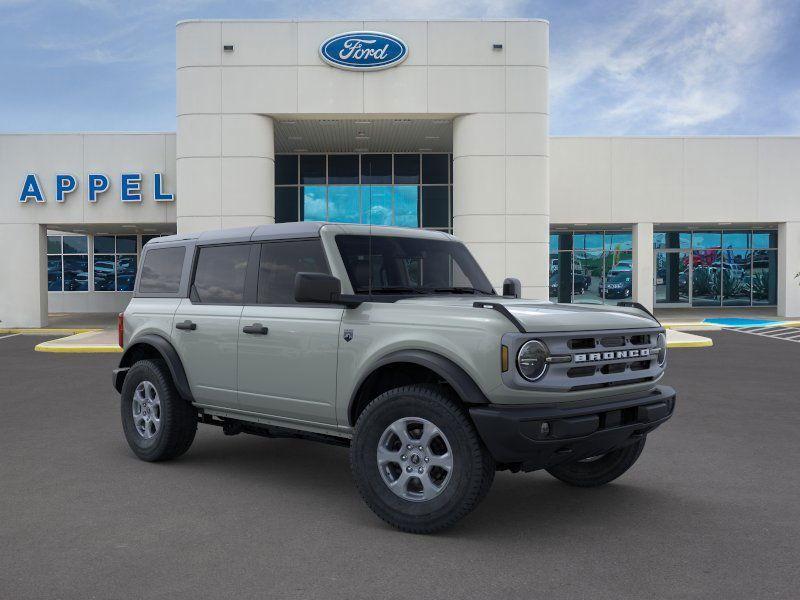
[{"x": 434, "y": 124}]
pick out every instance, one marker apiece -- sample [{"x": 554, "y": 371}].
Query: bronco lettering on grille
[{"x": 615, "y": 355}]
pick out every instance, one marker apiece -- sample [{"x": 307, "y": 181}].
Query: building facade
[{"x": 434, "y": 124}]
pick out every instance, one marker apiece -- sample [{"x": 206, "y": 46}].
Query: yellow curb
[
  {"x": 704, "y": 343},
  {"x": 46, "y": 331},
  {"x": 61, "y": 349},
  {"x": 697, "y": 326}
]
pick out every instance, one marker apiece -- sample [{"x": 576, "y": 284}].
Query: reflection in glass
[
  {"x": 54, "y": 244},
  {"x": 126, "y": 273},
  {"x": 434, "y": 168},
  {"x": 103, "y": 272},
  {"x": 735, "y": 277},
  {"x": 76, "y": 273},
  {"x": 376, "y": 204},
  {"x": 765, "y": 277},
  {"x": 126, "y": 244},
  {"x": 553, "y": 270},
  {"x": 75, "y": 244},
  {"x": 736, "y": 239},
  {"x": 672, "y": 277},
  {"x": 343, "y": 204},
  {"x": 588, "y": 241},
  {"x": 314, "y": 203},
  {"x": 707, "y": 239},
  {"x": 406, "y": 205},
  {"x": 54, "y": 279},
  {"x": 618, "y": 281},
  {"x": 104, "y": 244},
  {"x": 706, "y": 278},
  {"x": 672, "y": 239},
  {"x": 587, "y": 274},
  {"x": 618, "y": 241},
  {"x": 765, "y": 239}
]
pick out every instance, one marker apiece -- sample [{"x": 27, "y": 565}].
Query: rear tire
[
  {"x": 158, "y": 423},
  {"x": 419, "y": 491},
  {"x": 597, "y": 471}
]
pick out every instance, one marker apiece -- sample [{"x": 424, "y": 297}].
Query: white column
[
  {"x": 23, "y": 271},
  {"x": 226, "y": 171},
  {"x": 501, "y": 203},
  {"x": 642, "y": 280},
  {"x": 788, "y": 266}
]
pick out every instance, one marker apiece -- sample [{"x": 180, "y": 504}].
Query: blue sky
[{"x": 617, "y": 67}]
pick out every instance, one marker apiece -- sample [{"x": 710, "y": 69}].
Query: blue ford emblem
[{"x": 363, "y": 50}]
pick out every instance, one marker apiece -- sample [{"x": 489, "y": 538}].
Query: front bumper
[{"x": 533, "y": 437}]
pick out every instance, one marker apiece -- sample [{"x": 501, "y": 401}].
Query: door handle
[
  {"x": 256, "y": 328},
  {"x": 187, "y": 325}
]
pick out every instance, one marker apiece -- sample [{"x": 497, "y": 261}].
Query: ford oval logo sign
[{"x": 363, "y": 50}]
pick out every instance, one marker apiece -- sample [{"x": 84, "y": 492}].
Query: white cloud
[{"x": 671, "y": 68}]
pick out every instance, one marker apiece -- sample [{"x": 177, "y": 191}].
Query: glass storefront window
[
  {"x": 722, "y": 268},
  {"x": 672, "y": 277},
  {"x": 343, "y": 168},
  {"x": 707, "y": 239},
  {"x": 343, "y": 203},
  {"x": 104, "y": 272},
  {"x": 435, "y": 205},
  {"x": 126, "y": 272},
  {"x": 587, "y": 274},
  {"x": 376, "y": 168},
  {"x": 588, "y": 241},
  {"x": 314, "y": 203},
  {"x": 75, "y": 244},
  {"x": 54, "y": 276},
  {"x": 312, "y": 168},
  {"x": 67, "y": 263},
  {"x": 376, "y": 205},
  {"x": 618, "y": 241},
  {"x": 384, "y": 189},
  {"x": 76, "y": 273},
  {"x": 406, "y": 205},
  {"x": 406, "y": 168}
]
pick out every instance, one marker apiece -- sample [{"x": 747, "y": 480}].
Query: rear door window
[
  {"x": 161, "y": 271},
  {"x": 220, "y": 274},
  {"x": 280, "y": 262}
]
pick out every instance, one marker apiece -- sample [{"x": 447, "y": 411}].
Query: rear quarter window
[{"x": 161, "y": 270}]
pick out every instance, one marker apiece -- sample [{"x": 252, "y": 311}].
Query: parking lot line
[{"x": 2, "y": 337}]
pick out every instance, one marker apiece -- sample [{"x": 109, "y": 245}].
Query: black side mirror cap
[
  {"x": 512, "y": 287},
  {"x": 321, "y": 288}
]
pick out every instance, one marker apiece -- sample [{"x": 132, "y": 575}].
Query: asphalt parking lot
[{"x": 711, "y": 510}]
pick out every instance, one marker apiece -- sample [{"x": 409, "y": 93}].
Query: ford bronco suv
[{"x": 390, "y": 341}]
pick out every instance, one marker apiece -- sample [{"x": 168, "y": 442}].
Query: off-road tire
[
  {"x": 178, "y": 417},
  {"x": 600, "y": 471},
  {"x": 473, "y": 466}
]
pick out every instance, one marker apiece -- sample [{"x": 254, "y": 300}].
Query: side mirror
[
  {"x": 512, "y": 287},
  {"x": 317, "y": 287}
]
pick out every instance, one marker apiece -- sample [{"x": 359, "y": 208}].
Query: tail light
[{"x": 120, "y": 327}]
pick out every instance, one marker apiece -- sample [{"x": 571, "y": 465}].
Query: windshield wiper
[
  {"x": 461, "y": 290},
  {"x": 397, "y": 289}
]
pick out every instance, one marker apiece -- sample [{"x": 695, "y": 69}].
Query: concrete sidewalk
[{"x": 89, "y": 342}]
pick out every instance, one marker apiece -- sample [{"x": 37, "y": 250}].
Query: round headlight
[
  {"x": 531, "y": 360},
  {"x": 661, "y": 343}
]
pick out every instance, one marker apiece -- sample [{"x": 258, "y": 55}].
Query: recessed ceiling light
[
  {"x": 441, "y": 121},
  {"x": 426, "y": 149},
  {"x": 361, "y": 149},
  {"x": 363, "y": 122},
  {"x": 301, "y": 149},
  {"x": 432, "y": 137},
  {"x": 288, "y": 122},
  {"x": 128, "y": 226},
  {"x": 402, "y": 121},
  {"x": 361, "y": 136},
  {"x": 329, "y": 121}
]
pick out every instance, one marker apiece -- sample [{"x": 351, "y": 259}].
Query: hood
[{"x": 542, "y": 315}]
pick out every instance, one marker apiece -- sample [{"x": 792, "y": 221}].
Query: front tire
[
  {"x": 158, "y": 423},
  {"x": 417, "y": 460},
  {"x": 599, "y": 470}
]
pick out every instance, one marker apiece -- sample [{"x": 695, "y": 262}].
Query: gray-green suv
[{"x": 390, "y": 341}]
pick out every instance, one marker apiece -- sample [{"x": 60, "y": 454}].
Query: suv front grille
[{"x": 596, "y": 359}]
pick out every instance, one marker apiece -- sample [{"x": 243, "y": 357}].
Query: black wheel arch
[
  {"x": 152, "y": 345},
  {"x": 457, "y": 378}
]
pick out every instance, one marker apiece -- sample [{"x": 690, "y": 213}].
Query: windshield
[{"x": 409, "y": 265}]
